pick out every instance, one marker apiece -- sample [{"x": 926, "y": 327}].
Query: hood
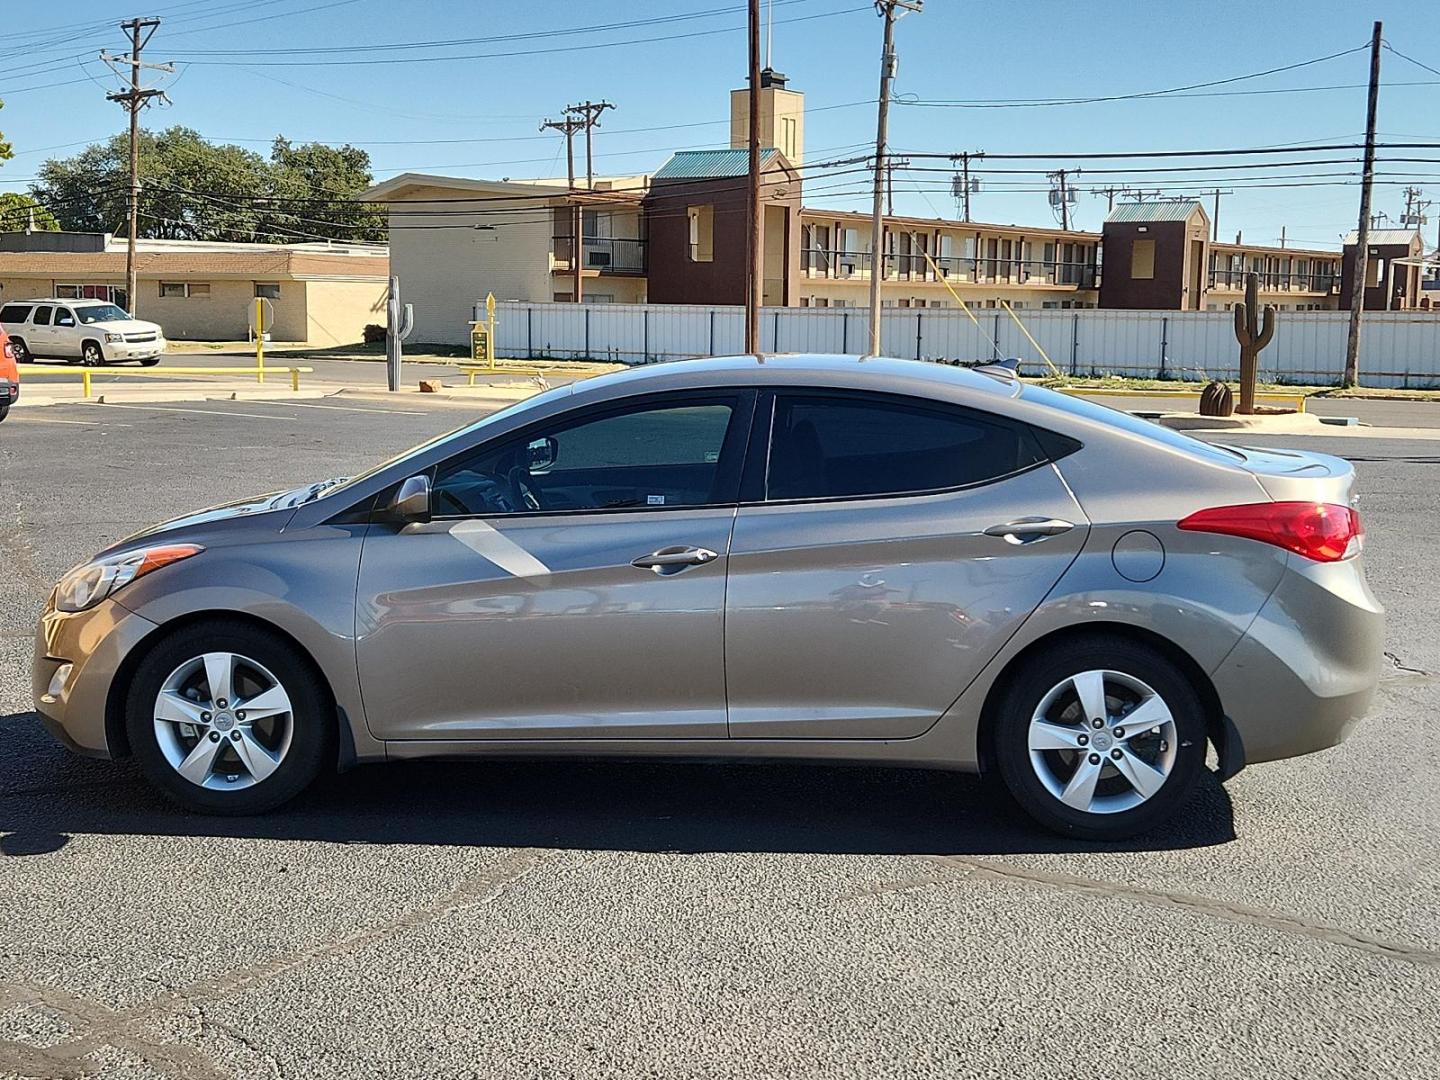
[
  {"x": 273, "y": 502},
  {"x": 128, "y": 326}
]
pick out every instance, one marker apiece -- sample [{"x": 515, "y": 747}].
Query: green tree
[
  {"x": 20, "y": 212},
  {"x": 192, "y": 189},
  {"x": 315, "y": 186}
]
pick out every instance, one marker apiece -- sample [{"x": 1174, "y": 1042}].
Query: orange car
[{"x": 9, "y": 376}]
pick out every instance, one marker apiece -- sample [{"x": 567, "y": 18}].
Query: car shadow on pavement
[{"x": 610, "y": 805}]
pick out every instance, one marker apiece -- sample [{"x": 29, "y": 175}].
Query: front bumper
[
  {"x": 77, "y": 657},
  {"x": 1305, "y": 672},
  {"x": 140, "y": 350}
]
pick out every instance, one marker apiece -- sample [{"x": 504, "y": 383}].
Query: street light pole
[{"x": 1362, "y": 233}]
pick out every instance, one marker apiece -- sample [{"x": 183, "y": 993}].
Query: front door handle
[
  {"x": 671, "y": 559},
  {"x": 1028, "y": 530}
]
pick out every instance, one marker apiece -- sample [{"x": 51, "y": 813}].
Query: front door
[
  {"x": 891, "y": 550},
  {"x": 570, "y": 586}
]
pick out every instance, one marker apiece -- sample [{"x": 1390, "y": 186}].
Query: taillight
[
  {"x": 9, "y": 351},
  {"x": 1325, "y": 532}
]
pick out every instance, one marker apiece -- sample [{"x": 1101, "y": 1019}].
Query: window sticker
[{"x": 654, "y": 500}]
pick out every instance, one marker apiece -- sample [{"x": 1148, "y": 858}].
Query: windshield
[
  {"x": 1134, "y": 425},
  {"x": 97, "y": 313}
]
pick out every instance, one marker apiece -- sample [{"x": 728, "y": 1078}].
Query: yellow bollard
[
  {"x": 260, "y": 339},
  {"x": 489, "y": 332},
  {"x": 294, "y": 378},
  {"x": 85, "y": 381}
]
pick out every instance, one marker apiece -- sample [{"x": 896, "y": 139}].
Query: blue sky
[{"x": 479, "y": 117}]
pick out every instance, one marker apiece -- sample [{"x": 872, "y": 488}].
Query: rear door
[
  {"x": 38, "y": 335},
  {"x": 885, "y": 549}
]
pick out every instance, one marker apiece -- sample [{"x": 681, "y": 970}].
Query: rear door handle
[
  {"x": 1028, "y": 530},
  {"x": 670, "y": 559}
]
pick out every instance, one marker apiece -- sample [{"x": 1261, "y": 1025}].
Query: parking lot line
[
  {"x": 199, "y": 412},
  {"x": 51, "y": 420},
  {"x": 345, "y": 408}
]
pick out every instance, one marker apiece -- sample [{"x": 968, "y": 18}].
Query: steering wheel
[{"x": 521, "y": 491}]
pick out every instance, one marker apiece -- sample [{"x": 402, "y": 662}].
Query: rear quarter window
[
  {"x": 14, "y": 313},
  {"x": 1133, "y": 425}
]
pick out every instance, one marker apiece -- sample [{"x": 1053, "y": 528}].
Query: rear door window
[
  {"x": 42, "y": 316},
  {"x": 842, "y": 446}
]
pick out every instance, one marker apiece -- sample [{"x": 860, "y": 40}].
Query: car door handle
[
  {"x": 1029, "y": 530},
  {"x": 674, "y": 558}
]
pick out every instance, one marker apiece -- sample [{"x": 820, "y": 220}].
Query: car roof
[
  {"x": 810, "y": 369},
  {"x": 58, "y": 300}
]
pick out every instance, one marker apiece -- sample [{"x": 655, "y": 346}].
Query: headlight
[
  {"x": 87, "y": 585},
  {"x": 112, "y": 338}
]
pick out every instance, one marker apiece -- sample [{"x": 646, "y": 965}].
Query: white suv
[{"x": 92, "y": 331}]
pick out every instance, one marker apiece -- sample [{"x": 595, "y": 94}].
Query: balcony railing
[
  {"x": 1276, "y": 282},
  {"x": 603, "y": 253},
  {"x": 856, "y": 264}
]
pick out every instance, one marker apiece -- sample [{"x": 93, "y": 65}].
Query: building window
[
  {"x": 1142, "y": 260},
  {"x": 184, "y": 289},
  {"x": 268, "y": 290},
  {"x": 702, "y": 233}
]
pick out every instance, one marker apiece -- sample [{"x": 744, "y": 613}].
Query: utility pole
[
  {"x": 1362, "y": 233},
  {"x": 1062, "y": 195},
  {"x": 588, "y": 113},
  {"x": 134, "y": 99},
  {"x": 1215, "y": 218},
  {"x": 961, "y": 187},
  {"x": 1110, "y": 193},
  {"x": 888, "y": 60},
  {"x": 754, "y": 248},
  {"x": 569, "y": 126}
]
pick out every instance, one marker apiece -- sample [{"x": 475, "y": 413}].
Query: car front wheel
[
  {"x": 91, "y": 354},
  {"x": 225, "y": 719},
  {"x": 1100, "y": 738}
]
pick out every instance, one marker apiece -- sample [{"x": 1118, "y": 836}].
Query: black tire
[
  {"x": 4, "y": 411},
  {"x": 22, "y": 352},
  {"x": 150, "y": 361},
  {"x": 312, "y": 746},
  {"x": 1050, "y": 668},
  {"x": 91, "y": 355}
]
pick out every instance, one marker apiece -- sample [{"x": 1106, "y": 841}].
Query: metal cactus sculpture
[
  {"x": 399, "y": 321},
  {"x": 1253, "y": 334}
]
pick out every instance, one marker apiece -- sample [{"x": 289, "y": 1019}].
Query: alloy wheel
[
  {"x": 91, "y": 356},
  {"x": 1102, "y": 742},
  {"x": 223, "y": 721}
]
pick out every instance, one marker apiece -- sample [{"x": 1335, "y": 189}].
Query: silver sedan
[{"x": 797, "y": 557}]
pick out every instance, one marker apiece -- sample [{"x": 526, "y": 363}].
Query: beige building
[
  {"x": 454, "y": 240},
  {"x": 322, "y": 294}
]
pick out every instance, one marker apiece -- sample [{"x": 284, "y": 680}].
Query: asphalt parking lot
[{"x": 574, "y": 920}]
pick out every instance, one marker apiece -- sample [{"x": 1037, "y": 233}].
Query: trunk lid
[{"x": 1300, "y": 474}]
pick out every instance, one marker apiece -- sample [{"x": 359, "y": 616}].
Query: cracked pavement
[{"x": 567, "y": 919}]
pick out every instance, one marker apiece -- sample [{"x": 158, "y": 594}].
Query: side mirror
[
  {"x": 541, "y": 454},
  {"x": 411, "y": 501}
]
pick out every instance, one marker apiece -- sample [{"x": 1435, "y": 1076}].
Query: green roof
[
  {"x": 1166, "y": 210},
  {"x": 705, "y": 164}
]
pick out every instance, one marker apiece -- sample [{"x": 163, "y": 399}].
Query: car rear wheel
[
  {"x": 225, "y": 719},
  {"x": 91, "y": 355},
  {"x": 1100, "y": 738},
  {"x": 21, "y": 351},
  {"x": 4, "y": 411}
]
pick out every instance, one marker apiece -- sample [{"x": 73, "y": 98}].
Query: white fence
[{"x": 1397, "y": 349}]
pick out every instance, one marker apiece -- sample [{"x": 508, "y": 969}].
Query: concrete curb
[{"x": 1306, "y": 424}]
